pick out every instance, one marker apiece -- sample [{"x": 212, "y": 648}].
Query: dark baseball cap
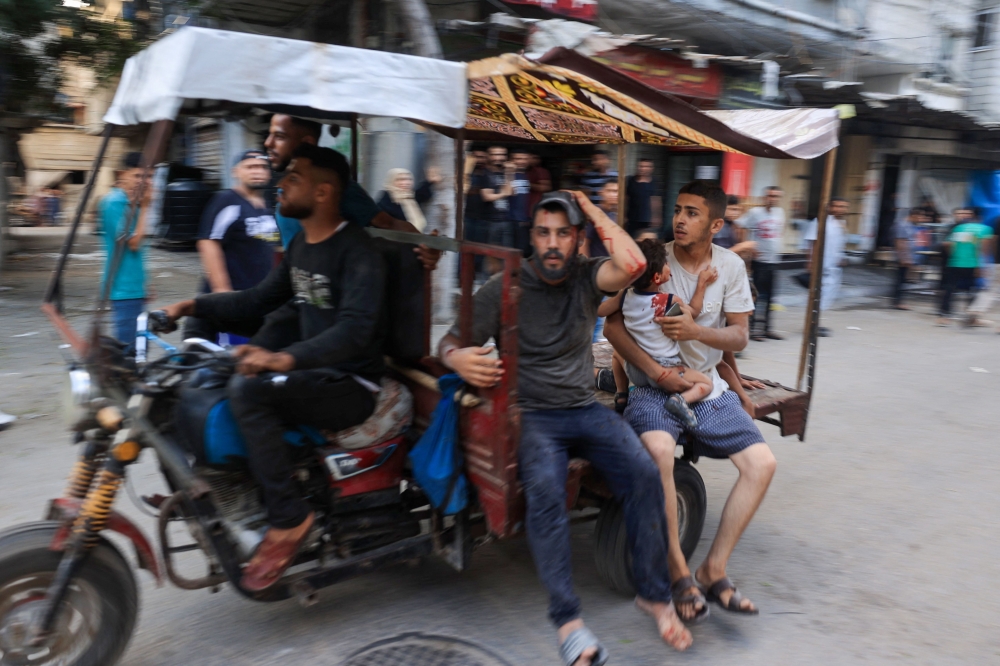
[
  {"x": 252, "y": 154},
  {"x": 564, "y": 200}
]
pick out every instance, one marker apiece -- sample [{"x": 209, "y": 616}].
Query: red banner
[
  {"x": 585, "y": 10},
  {"x": 665, "y": 72},
  {"x": 737, "y": 169}
]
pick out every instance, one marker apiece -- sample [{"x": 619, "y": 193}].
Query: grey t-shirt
[{"x": 555, "y": 327}]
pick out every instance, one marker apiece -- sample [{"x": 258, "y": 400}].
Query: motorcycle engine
[{"x": 238, "y": 500}]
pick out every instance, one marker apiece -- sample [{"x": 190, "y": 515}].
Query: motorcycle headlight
[
  {"x": 80, "y": 387},
  {"x": 77, "y": 396}
]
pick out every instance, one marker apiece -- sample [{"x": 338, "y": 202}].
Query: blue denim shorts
[{"x": 724, "y": 428}]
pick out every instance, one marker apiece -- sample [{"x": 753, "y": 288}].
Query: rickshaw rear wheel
[
  {"x": 98, "y": 615},
  {"x": 611, "y": 552}
]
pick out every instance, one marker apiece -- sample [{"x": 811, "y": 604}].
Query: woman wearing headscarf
[{"x": 399, "y": 199}]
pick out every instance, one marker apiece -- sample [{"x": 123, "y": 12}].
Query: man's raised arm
[{"x": 627, "y": 262}]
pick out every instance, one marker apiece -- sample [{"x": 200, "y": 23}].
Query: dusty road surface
[{"x": 877, "y": 542}]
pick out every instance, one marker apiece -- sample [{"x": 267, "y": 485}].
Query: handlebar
[{"x": 159, "y": 322}]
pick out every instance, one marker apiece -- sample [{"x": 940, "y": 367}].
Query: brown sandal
[
  {"x": 272, "y": 559},
  {"x": 677, "y": 591},
  {"x": 715, "y": 591}
]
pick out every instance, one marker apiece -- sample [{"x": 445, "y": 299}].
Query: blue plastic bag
[{"x": 437, "y": 459}]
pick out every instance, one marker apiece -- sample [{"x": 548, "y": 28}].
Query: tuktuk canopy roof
[
  {"x": 564, "y": 97},
  {"x": 198, "y": 64}
]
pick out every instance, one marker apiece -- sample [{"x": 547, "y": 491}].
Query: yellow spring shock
[
  {"x": 82, "y": 476},
  {"x": 97, "y": 506}
]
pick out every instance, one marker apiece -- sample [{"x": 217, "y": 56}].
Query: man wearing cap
[
  {"x": 560, "y": 290},
  {"x": 237, "y": 239}
]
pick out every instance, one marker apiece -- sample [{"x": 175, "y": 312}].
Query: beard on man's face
[
  {"x": 552, "y": 274},
  {"x": 297, "y": 212}
]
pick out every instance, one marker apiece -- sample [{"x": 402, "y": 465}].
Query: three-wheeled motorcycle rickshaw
[{"x": 68, "y": 595}]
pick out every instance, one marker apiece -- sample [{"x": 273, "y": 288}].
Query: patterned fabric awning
[{"x": 568, "y": 98}]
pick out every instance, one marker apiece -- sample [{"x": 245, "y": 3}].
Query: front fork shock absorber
[
  {"x": 84, "y": 470},
  {"x": 96, "y": 508},
  {"x": 92, "y": 519}
]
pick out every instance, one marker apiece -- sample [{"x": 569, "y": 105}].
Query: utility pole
[{"x": 440, "y": 153}]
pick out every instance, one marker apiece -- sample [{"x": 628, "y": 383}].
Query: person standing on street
[
  {"x": 128, "y": 288},
  {"x": 989, "y": 292},
  {"x": 905, "y": 233},
  {"x": 560, "y": 293},
  {"x": 520, "y": 200},
  {"x": 540, "y": 179},
  {"x": 600, "y": 172},
  {"x": 593, "y": 246},
  {"x": 475, "y": 169},
  {"x": 643, "y": 205},
  {"x": 765, "y": 226},
  {"x": 237, "y": 240},
  {"x": 833, "y": 254},
  {"x": 496, "y": 189},
  {"x": 965, "y": 245},
  {"x": 402, "y": 202}
]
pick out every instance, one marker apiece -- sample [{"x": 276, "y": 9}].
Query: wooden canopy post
[
  {"x": 53, "y": 293},
  {"x": 460, "y": 184},
  {"x": 622, "y": 148},
  {"x": 807, "y": 357},
  {"x": 354, "y": 147}
]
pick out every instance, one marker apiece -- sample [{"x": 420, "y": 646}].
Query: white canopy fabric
[
  {"x": 204, "y": 64},
  {"x": 801, "y": 133}
]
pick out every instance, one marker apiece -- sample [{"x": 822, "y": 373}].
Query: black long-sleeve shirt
[{"x": 338, "y": 287}]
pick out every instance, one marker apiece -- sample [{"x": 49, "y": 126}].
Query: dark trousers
[
  {"x": 548, "y": 439},
  {"x": 897, "y": 294},
  {"x": 264, "y": 404},
  {"x": 477, "y": 231},
  {"x": 763, "y": 279},
  {"x": 956, "y": 279}
]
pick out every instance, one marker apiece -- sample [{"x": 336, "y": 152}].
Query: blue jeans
[
  {"x": 548, "y": 439},
  {"x": 125, "y": 313}
]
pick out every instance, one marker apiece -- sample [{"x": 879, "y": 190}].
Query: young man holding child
[{"x": 724, "y": 429}]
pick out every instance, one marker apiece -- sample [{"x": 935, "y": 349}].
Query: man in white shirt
[
  {"x": 833, "y": 253},
  {"x": 724, "y": 429},
  {"x": 765, "y": 226}
]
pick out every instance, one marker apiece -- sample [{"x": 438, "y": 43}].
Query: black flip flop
[
  {"x": 718, "y": 587},
  {"x": 677, "y": 590}
]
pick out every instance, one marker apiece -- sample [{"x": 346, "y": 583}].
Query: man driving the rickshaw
[
  {"x": 560, "y": 291},
  {"x": 327, "y": 377}
]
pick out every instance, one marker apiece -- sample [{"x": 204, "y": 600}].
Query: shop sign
[
  {"x": 665, "y": 72},
  {"x": 584, "y": 10}
]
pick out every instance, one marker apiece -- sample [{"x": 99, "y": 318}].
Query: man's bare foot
[
  {"x": 708, "y": 580},
  {"x": 587, "y": 658},
  {"x": 668, "y": 623}
]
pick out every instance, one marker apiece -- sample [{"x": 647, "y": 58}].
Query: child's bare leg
[
  {"x": 702, "y": 386},
  {"x": 618, "y": 367}
]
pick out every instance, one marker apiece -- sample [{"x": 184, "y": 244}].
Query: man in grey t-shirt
[
  {"x": 559, "y": 294},
  {"x": 765, "y": 226}
]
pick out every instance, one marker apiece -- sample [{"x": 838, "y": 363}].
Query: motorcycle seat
[{"x": 393, "y": 415}]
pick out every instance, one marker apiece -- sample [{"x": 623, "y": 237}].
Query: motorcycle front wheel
[{"x": 97, "y": 616}]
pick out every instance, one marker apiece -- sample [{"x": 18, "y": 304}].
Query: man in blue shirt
[
  {"x": 287, "y": 133},
  {"x": 128, "y": 288}
]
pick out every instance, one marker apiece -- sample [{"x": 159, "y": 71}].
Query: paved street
[{"x": 877, "y": 541}]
